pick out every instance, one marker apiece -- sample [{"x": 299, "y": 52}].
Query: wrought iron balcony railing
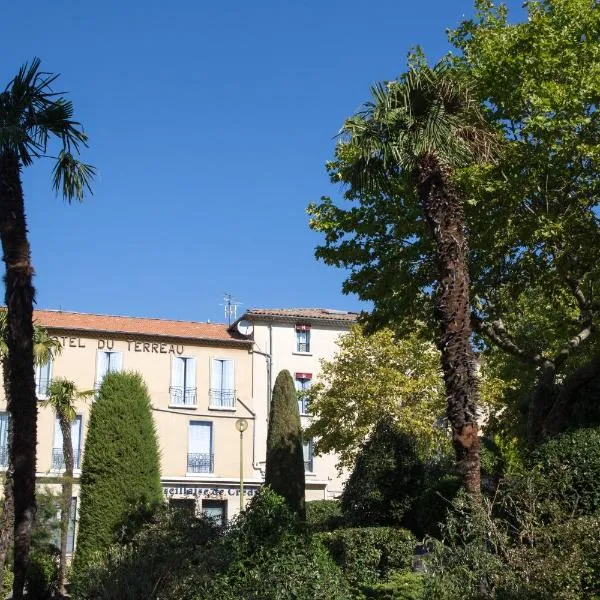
[
  {"x": 308, "y": 465},
  {"x": 222, "y": 398},
  {"x": 181, "y": 396},
  {"x": 303, "y": 347},
  {"x": 58, "y": 459},
  {"x": 4, "y": 456},
  {"x": 200, "y": 463},
  {"x": 303, "y": 406}
]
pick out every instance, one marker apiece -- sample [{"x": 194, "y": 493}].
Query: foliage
[
  {"x": 263, "y": 556},
  {"x": 388, "y": 475},
  {"x": 324, "y": 515},
  {"x": 399, "y": 586},
  {"x": 572, "y": 463},
  {"x": 113, "y": 482},
  {"x": 169, "y": 547},
  {"x": 41, "y": 576},
  {"x": 372, "y": 376},
  {"x": 367, "y": 555},
  {"x": 284, "y": 470}
]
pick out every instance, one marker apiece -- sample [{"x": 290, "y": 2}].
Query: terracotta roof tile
[
  {"x": 325, "y": 314},
  {"x": 56, "y": 319}
]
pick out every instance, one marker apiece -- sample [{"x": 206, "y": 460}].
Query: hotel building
[{"x": 202, "y": 378}]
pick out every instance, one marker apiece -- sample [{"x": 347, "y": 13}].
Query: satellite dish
[{"x": 245, "y": 327}]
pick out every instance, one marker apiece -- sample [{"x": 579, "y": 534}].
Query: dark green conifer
[
  {"x": 285, "y": 459},
  {"x": 121, "y": 469}
]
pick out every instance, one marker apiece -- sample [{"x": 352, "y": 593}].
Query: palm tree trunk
[
  {"x": 445, "y": 218},
  {"x": 19, "y": 304},
  {"x": 67, "y": 493},
  {"x": 8, "y": 512}
]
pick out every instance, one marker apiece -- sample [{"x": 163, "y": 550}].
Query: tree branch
[{"x": 496, "y": 332}]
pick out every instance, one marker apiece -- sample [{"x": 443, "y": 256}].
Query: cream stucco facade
[{"x": 202, "y": 378}]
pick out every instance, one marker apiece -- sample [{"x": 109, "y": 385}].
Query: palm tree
[
  {"x": 31, "y": 115},
  {"x": 45, "y": 348},
  {"x": 62, "y": 396},
  {"x": 418, "y": 129}
]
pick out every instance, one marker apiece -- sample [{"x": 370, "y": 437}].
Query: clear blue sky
[{"x": 209, "y": 123}]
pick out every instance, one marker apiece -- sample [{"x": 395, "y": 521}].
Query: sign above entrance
[{"x": 222, "y": 492}]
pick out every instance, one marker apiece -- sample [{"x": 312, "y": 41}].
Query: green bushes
[
  {"x": 41, "y": 576},
  {"x": 323, "y": 515},
  {"x": 571, "y": 462},
  {"x": 284, "y": 470},
  {"x": 367, "y": 555},
  {"x": 120, "y": 469}
]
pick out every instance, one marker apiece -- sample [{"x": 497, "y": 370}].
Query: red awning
[
  {"x": 302, "y": 327},
  {"x": 303, "y": 375}
]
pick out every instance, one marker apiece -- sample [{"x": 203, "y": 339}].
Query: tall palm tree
[
  {"x": 62, "y": 397},
  {"x": 31, "y": 116},
  {"x": 418, "y": 129},
  {"x": 45, "y": 348}
]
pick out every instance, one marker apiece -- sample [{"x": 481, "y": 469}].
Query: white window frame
[
  {"x": 99, "y": 378},
  {"x": 211, "y": 448},
  {"x": 300, "y": 383},
  {"x": 306, "y": 341},
  {"x": 193, "y": 388},
  {"x": 309, "y": 465},
  {"x": 43, "y": 394},
  {"x": 76, "y": 446},
  {"x": 212, "y": 392}
]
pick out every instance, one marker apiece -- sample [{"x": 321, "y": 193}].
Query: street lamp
[{"x": 241, "y": 425}]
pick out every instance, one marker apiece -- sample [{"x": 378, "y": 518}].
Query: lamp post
[{"x": 241, "y": 425}]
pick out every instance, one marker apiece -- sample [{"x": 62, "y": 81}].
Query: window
[
  {"x": 200, "y": 447},
  {"x": 222, "y": 383},
  {"x": 58, "y": 458},
  {"x": 183, "y": 381},
  {"x": 307, "y": 448},
  {"x": 71, "y": 529},
  {"x": 303, "y": 381},
  {"x": 4, "y": 420},
  {"x": 185, "y": 505},
  {"x": 215, "y": 510},
  {"x": 107, "y": 362},
  {"x": 302, "y": 338},
  {"x": 43, "y": 374}
]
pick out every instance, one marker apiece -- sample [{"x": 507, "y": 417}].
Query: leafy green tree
[
  {"x": 535, "y": 283},
  {"x": 31, "y": 114},
  {"x": 531, "y": 216},
  {"x": 45, "y": 348},
  {"x": 120, "y": 471},
  {"x": 375, "y": 376},
  {"x": 405, "y": 144},
  {"x": 284, "y": 470},
  {"x": 62, "y": 397}
]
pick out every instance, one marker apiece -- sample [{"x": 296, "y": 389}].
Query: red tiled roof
[
  {"x": 325, "y": 314},
  {"x": 57, "y": 319}
]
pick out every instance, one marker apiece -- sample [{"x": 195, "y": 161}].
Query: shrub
[
  {"x": 284, "y": 470},
  {"x": 571, "y": 465},
  {"x": 41, "y": 576},
  {"x": 163, "y": 553},
  {"x": 120, "y": 466},
  {"x": 324, "y": 515},
  {"x": 388, "y": 476},
  {"x": 367, "y": 554},
  {"x": 399, "y": 586}
]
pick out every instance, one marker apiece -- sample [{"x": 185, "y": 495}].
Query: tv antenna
[{"x": 230, "y": 308}]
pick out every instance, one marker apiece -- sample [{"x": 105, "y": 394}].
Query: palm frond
[{"x": 72, "y": 177}]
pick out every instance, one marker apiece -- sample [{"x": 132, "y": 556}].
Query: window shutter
[
  {"x": 190, "y": 364},
  {"x": 200, "y": 438},
  {"x": 176, "y": 371},
  {"x": 76, "y": 434},
  {"x": 228, "y": 375},
  {"x": 101, "y": 365},
  {"x": 58, "y": 436},
  {"x": 116, "y": 362},
  {"x": 216, "y": 374}
]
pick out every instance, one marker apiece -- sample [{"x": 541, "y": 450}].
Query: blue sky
[{"x": 209, "y": 124}]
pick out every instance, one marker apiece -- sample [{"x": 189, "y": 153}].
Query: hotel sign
[
  {"x": 208, "y": 492},
  {"x": 132, "y": 345}
]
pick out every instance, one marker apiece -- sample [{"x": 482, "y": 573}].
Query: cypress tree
[
  {"x": 285, "y": 459},
  {"x": 120, "y": 471}
]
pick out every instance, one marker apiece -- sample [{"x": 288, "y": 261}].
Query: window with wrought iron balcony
[
  {"x": 58, "y": 459},
  {"x": 182, "y": 396},
  {"x": 222, "y": 384},
  {"x": 4, "y": 457}
]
